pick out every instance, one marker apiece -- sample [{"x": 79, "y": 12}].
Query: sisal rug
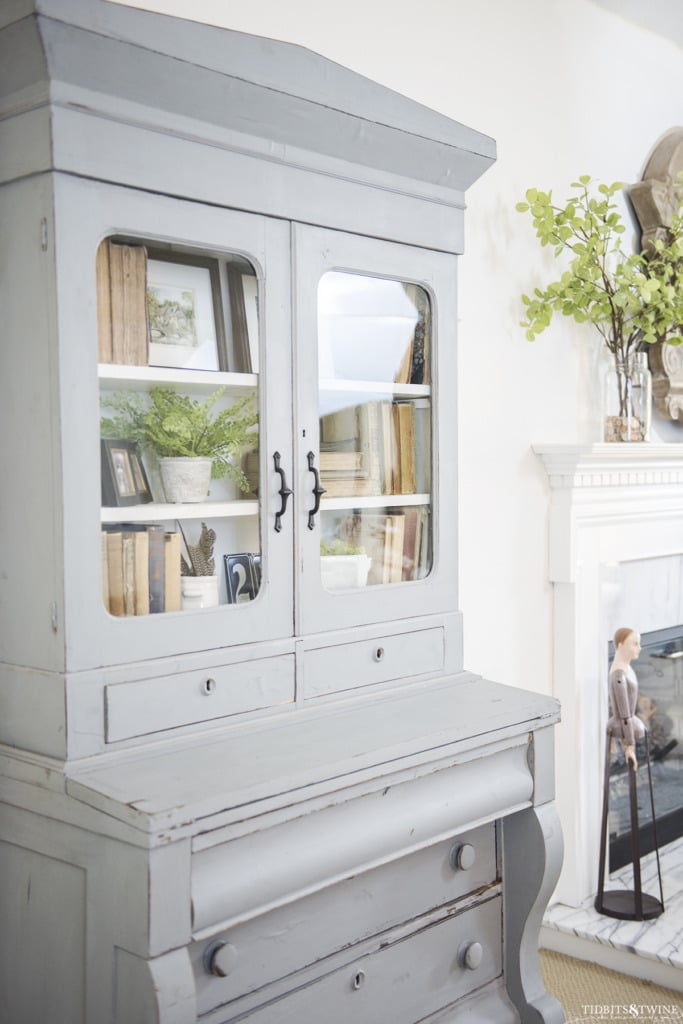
[{"x": 590, "y": 993}]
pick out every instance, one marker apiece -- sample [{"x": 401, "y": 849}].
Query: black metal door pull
[
  {"x": 318, "y": 491},
  {"x": 284, "y": 492}
]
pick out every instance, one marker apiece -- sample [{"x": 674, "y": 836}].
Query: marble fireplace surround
[{"x": 610, "y": 504}]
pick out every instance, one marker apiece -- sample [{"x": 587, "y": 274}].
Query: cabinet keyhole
[
  {"x": 378, "y": 654},
  {"x": 358, "y": 980}
]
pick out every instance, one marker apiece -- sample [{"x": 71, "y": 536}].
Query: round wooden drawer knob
[
  {"x": 463, "y": 856},
  {"x": 220, "y": 959},
  {"x": 474, "y": 954}
]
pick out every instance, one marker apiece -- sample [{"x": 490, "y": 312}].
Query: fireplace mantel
[
  {"x": 609, "y": 504},
  {"x": 612, "y": 465}
]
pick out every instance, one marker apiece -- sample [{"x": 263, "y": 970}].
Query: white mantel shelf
[
  {"x": 604, "y": 465},
  {"x": 608, "y": 504}
]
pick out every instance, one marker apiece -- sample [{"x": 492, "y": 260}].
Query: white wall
[{"x": 566, "y": 88}]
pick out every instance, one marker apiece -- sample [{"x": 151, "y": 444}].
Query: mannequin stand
[{"x": 628, "y": 904}]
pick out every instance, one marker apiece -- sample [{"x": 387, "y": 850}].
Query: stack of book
[
  {"x": 398, "y": 543},
  {"x": 376, "y": 448},
  {"x": 343, "y": 472},
  {"x": 140, "y": 569},
  {"x": 122, "y": 303}
]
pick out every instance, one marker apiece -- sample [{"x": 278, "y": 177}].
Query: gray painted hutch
[{"x": 289, "y": 802}]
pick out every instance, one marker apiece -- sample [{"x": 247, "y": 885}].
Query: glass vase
[{"x": 628, "y": 399}]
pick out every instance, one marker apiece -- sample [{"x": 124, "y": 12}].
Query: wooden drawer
[
  {"x": 377, "y": 659},
  {"x": 403, "y": 981},
  {"x": 323, "y": 923},
  {"x": 167, "y": 702},
  {"x": 240, "y": 873}
]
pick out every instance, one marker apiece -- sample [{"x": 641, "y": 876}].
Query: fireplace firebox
[{"x": 660, "y": 706}]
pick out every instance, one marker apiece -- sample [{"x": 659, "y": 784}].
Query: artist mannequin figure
[
  {"x": 623, "y": 690},
  {"x": 625, "y": 727}
]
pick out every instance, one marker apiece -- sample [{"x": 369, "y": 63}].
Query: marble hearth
[
  {"x": 615, "y": 558},
  {"x": 651, "y": 950}
]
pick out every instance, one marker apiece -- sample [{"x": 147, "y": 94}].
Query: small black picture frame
[
  {"x": 124, "y": 481},
  {"x": 241, "y": 579}
]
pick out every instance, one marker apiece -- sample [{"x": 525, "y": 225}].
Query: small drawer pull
[
  {"x": 473, "y": 955},
  {"x": 208, "y": 686},
  {"x": 220, "y": 959},
  {"x": 462, "y": 856},
  {"x": 378, "y": 654},
  {"x": 358, "y": 980}
]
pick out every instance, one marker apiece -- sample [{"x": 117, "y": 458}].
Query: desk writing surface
[{"x": 278, "y": 759}]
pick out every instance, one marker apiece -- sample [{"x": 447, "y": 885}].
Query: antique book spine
[
  {"x": 371, "y": 445},
  {"x": 393, "y": 548},
  {"x": 128, "y": 558},
  {"x": 172, "y": 572},
  {"x": 396, "y": 440},
  {"x": 103, "y": 274},
  {"x": 157, "y": 563},
  {"x": 115, "y": 561},
  {"x": 105, "y": 568},
  {"x": 423, "y": 445},
  {"x": 128, "y": 275},
  {"x": 411, "y": 542},
  {"x": 406, "y": 435},
  {"x": 141, "y": 540},
  {"x": 389, "y": 448}
]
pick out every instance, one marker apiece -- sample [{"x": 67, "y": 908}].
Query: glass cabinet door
[
  {"x": 178, "y": 346},
  {"x": 371, "y": 516},
  {"x": 375, "y": 430},
  {"x": 173, "y": 332}
]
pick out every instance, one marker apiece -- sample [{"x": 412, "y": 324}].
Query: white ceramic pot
[
  {"x": 185, "y": 479},
  {"x": 340, "y": 572},
  {"x": 198, "y": 592}
]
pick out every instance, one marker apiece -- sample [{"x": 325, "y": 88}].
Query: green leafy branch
[{"x": 632, "y": 299}]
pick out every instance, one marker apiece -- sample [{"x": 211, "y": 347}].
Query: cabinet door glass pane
[
  {"x": 374, "y": 357},
  {"x": 178, "y": 367}
]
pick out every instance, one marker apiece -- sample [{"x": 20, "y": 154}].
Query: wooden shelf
[
  {"x": 376, "y": 387},
  {"x": 140, "y": 378},
  {"x": 195, "y": 510},
  {"x": 374, "y": 501}
]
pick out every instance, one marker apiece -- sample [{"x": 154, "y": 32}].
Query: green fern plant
[
  {"x": 339, "y": 547},
  {"x": 175, "y": 425}
]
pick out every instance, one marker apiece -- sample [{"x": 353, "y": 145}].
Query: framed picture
[
  {"x": 185, "y": 313},
  {"x": 243, "y": 298},
  {"x": 124, "y": 481},
  {"x": 240, "y": 577}
]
